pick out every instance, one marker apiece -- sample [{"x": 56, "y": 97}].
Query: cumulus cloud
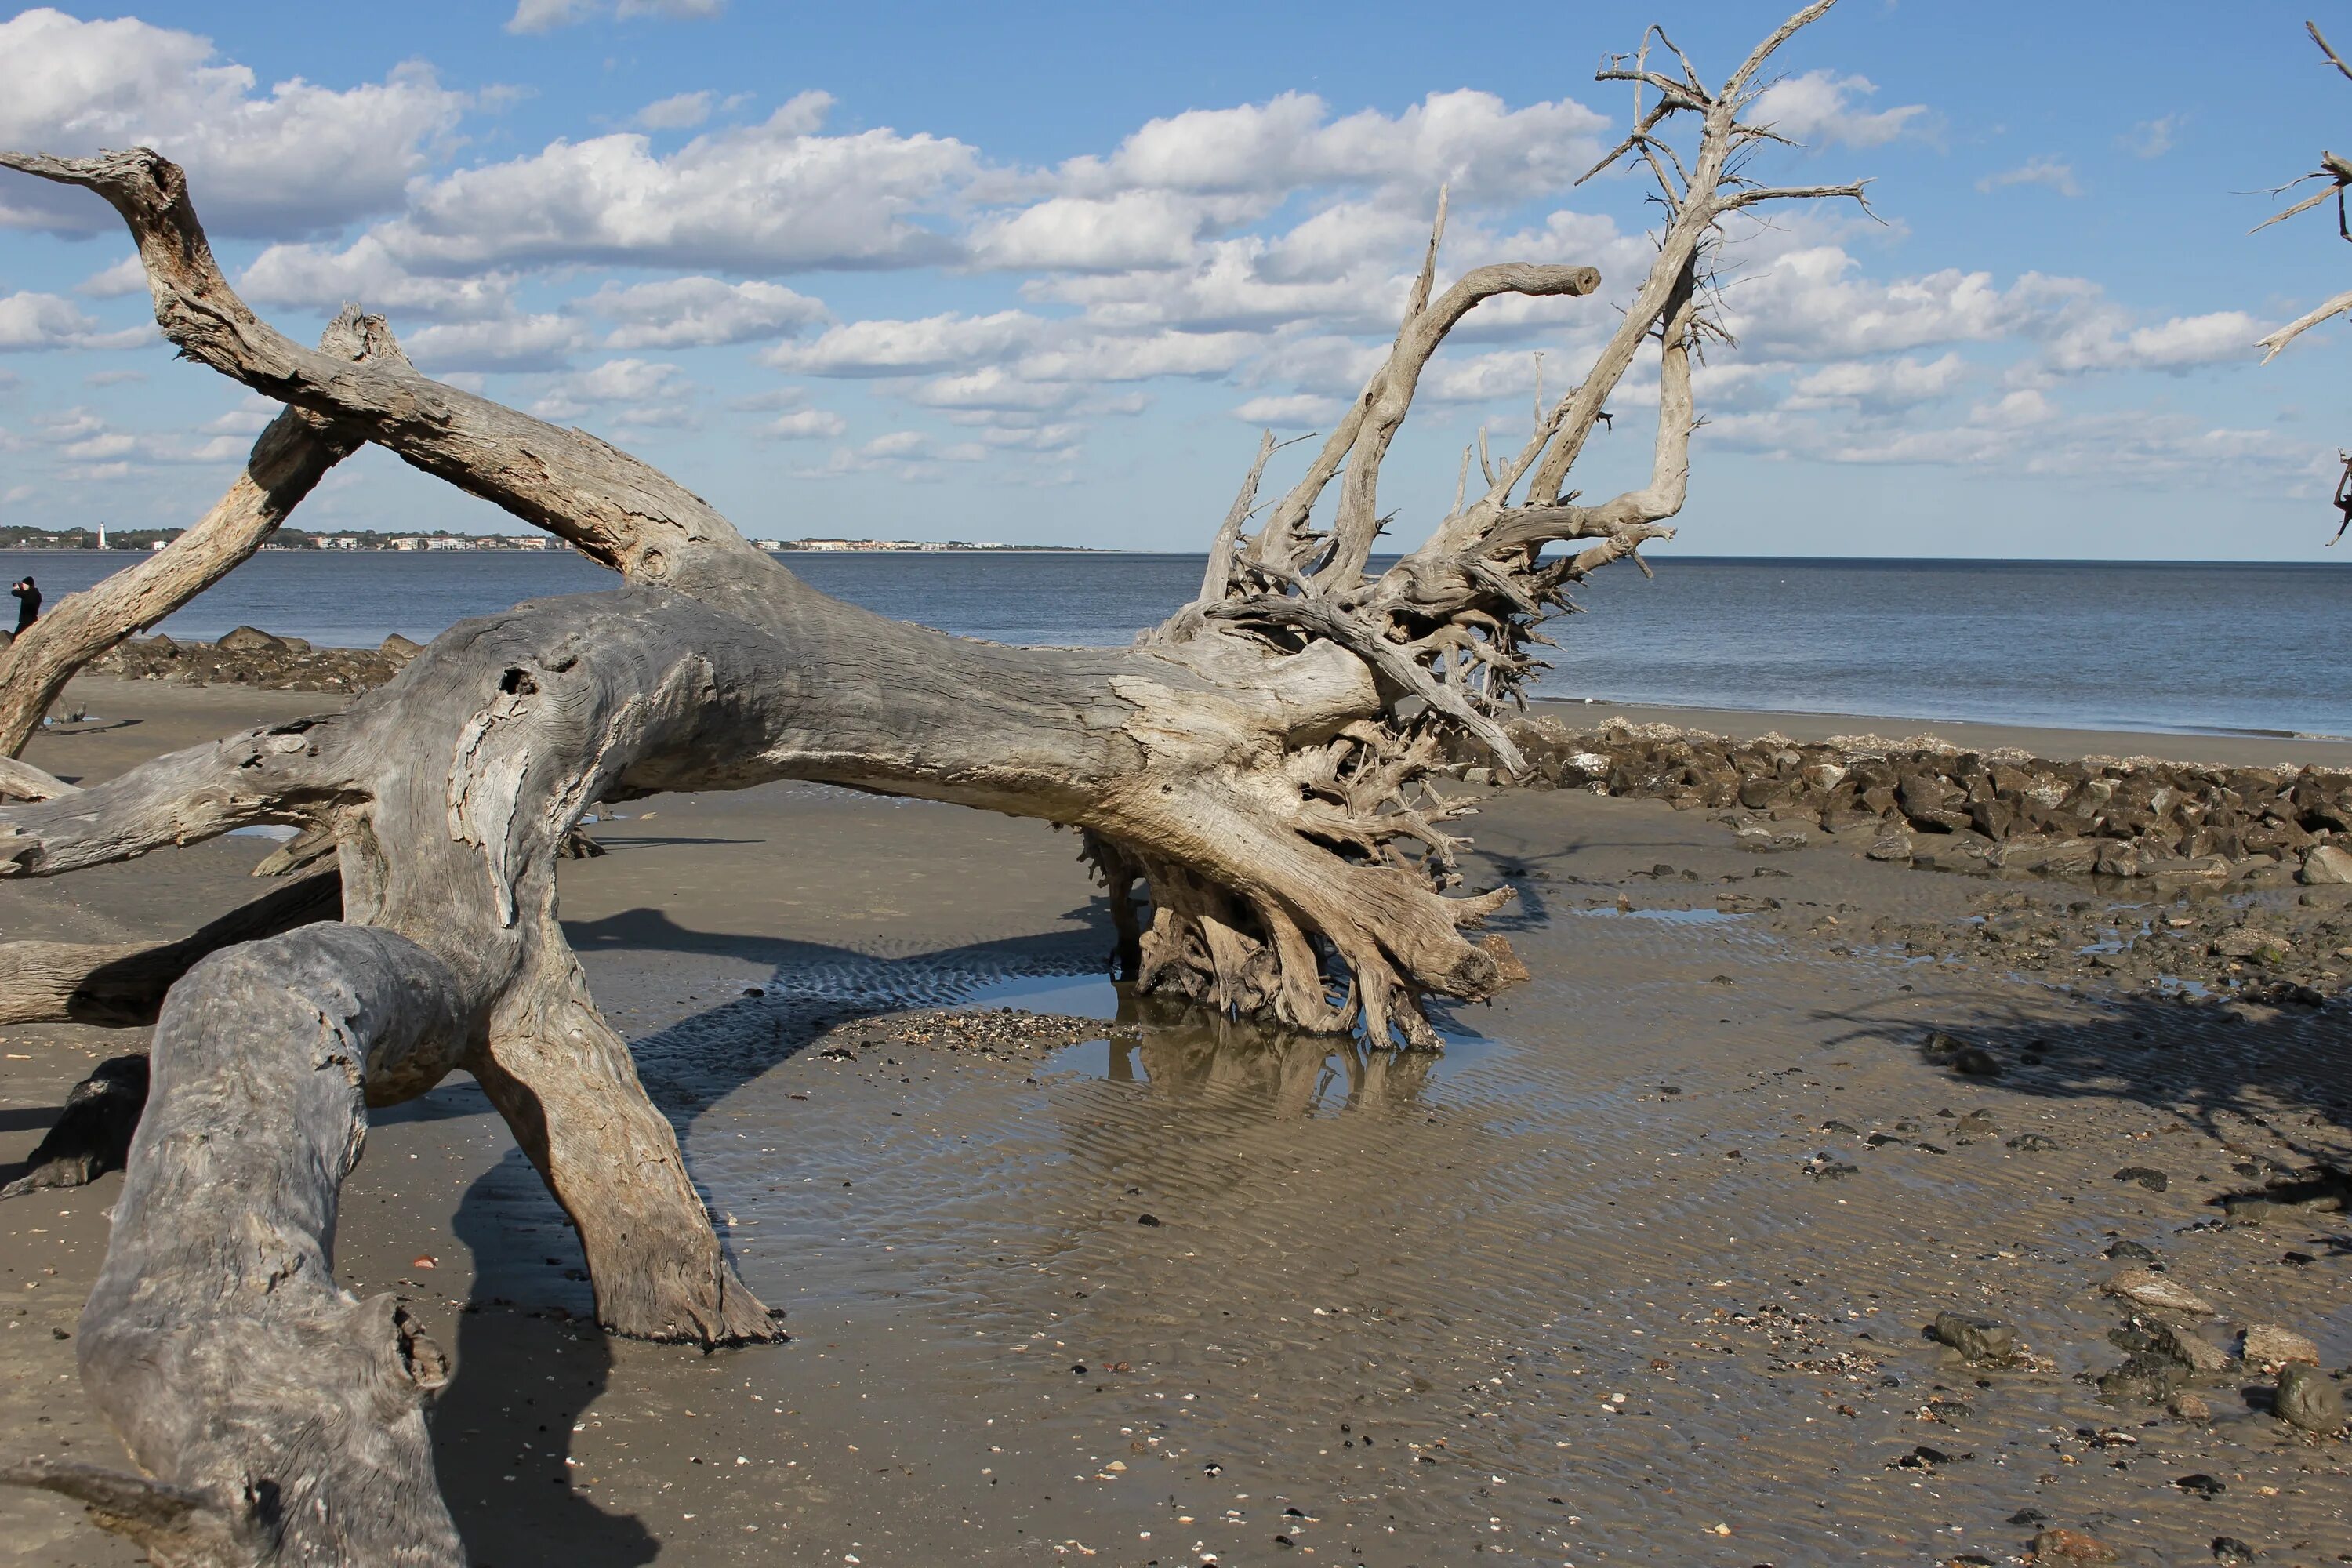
[
  {"x": 1471, "y": 139},
  {"x": 805, "y": 424},
  {"x": 2177, "y": 344},
  {"x": 127, "y": 275},
  {"x": 1880, "y": 384},
  {"x": 321, "y": 277},
  {"x": 882, "y": 346},
  {"x": 2055, "y": 173},
  {"x": 546, "y": 15},
  {"x": 1808, "y": 304},
  {"x": 773, "y": 196},
  {"x": 1293, "y": 412},
  {"x": 681, "y": 111},
  {"x": 678, "y": 312},
  {"x": 1819, "y": 109},
  {"x": 509, "y": 342},
  {"x": 300, "y": 159},
  {"x": 31, "y": 322}
]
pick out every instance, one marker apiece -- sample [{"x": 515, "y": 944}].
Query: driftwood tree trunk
[{"x": 1263, "y": 764}]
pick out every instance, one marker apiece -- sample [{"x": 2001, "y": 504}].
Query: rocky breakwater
[
  {"x": 1930, "y": 802},
  {"x": 250, "y": 656}
]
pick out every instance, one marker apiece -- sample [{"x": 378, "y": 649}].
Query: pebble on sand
[
  {"x": 2155, "y": 1290},
  {"x": 2268, "y": 1345},
  {"x": 2063, "y": 1545},
  {"x": 1980, "y": 1340},
  {"x": 2308, "y": 1398}
]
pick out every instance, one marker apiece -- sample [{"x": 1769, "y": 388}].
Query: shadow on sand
[{"x": 529, "y": 1359}]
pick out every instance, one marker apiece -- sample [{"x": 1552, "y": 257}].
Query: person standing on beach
[{"x": 29, "y": 603}]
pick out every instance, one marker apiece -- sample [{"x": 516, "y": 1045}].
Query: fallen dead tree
[{"x": 1260, "y": 765}]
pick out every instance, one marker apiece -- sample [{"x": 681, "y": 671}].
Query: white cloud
[
  {"x": 1468, "y": 138},
  {"x": 1880, "y": 384},
  {"x": 31, "y": 322},
  {"x": 1806, "y": 304},
  {"x": 300, "y": 159},
  {"x": 1294, "y": 412},
  {"x": 319, "y": 278},
  {"x": 127, "y": 275},
  {"x": 680, "y": 111},
  {"x": 512, "y": 342},
  {"x": 804, "y": 425},
  {"x": 1818, "y": 109},
  {"x": 546, "y": 15},
  {"x": 2176, "y": 344},
  {"x": 676, "y": 312},
  {"x": 2055, "y": 172},
  {"x": 1100, "y": 234},
  {"x": 760, "y": 198},
  {"x": 888, "y": 347},
  {"x": 645, "y": 383},
  {"x": 2153, "y": 137}
]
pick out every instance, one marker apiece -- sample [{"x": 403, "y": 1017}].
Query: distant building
[
  {"x": 527, "y": 541},
  {"x": 446, "y": 543},
  {"x": 408, "y": 541},
  {"x": 768, "y": 543},
  {"x": 159, "y": 545}
]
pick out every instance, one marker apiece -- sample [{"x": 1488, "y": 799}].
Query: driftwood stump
[{"x": 1265, "y": 765}]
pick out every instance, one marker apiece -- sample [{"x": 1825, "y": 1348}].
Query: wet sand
[{"x": 1388, "y": 1306}]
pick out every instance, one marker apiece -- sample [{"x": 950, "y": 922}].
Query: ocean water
[{"x": 2152, "y": 645}]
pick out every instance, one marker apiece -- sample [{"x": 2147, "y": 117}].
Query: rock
[
  {"x": 2150, "y": 1290},
  {"x": 2229, "y": 1548},
  {"x": 2268, "y": 1345},
  {"x": 1893, "y": 844},
  {"x": 1975, "y": 1061},
  {"x": 2192, "y": 1349},
  {"x": 1983, "y": 1341},
  {"x": 2071, "y": 1546},
  {"x": 2201, "y": 1485},
  {"x": 2148, "y": 1177},
  {"x": 2033, "y": 1144},
  {"x": 399, "y": 646},
  {"x": 2131, "y": 1249},
  {"x": 2189, "y": 1407},
  {"x": 1974, "y": 1124},
  {"x": 2326, "y": 866},
  {"x": 1764, "y": 841},
  {"x": 2251, "y": 941},
  {"x": 250, "y": 639},
  {"x": 2308, "y": 1399}
]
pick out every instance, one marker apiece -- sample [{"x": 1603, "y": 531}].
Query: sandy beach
[{"x": 1640, "y": 1270}]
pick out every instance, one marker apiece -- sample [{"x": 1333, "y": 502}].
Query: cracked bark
[{"x": 1264, "y": 764}]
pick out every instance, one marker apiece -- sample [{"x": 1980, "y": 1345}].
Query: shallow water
[{"x": 2130, "y": 646}]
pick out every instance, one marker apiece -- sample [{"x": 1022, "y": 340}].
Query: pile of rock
[
  {"x": 1928, "y": 802},
  {"x": 250, "y": 656}
]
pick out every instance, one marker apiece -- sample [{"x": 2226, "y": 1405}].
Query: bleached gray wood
[{"x": 1265, "y": 764}]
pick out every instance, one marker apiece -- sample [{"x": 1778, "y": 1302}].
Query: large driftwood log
[
  {"x": 1263, "y": 764},
  {"x": 289, "y": 460},
  {"x": 280, "y": 1418}
]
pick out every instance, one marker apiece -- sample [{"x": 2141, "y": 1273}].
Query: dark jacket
[{"x": 29, "y": 603}]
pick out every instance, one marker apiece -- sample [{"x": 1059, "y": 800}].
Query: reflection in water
[{"x": 1190, "y": 1052}]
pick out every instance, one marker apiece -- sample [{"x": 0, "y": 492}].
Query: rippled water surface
[{"x": 2147, "y": 645}]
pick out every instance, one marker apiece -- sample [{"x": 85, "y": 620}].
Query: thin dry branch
[{"x": 292, "y": 456}]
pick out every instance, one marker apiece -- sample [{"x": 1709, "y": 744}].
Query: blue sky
[{"x": 1039, "y": 272}]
